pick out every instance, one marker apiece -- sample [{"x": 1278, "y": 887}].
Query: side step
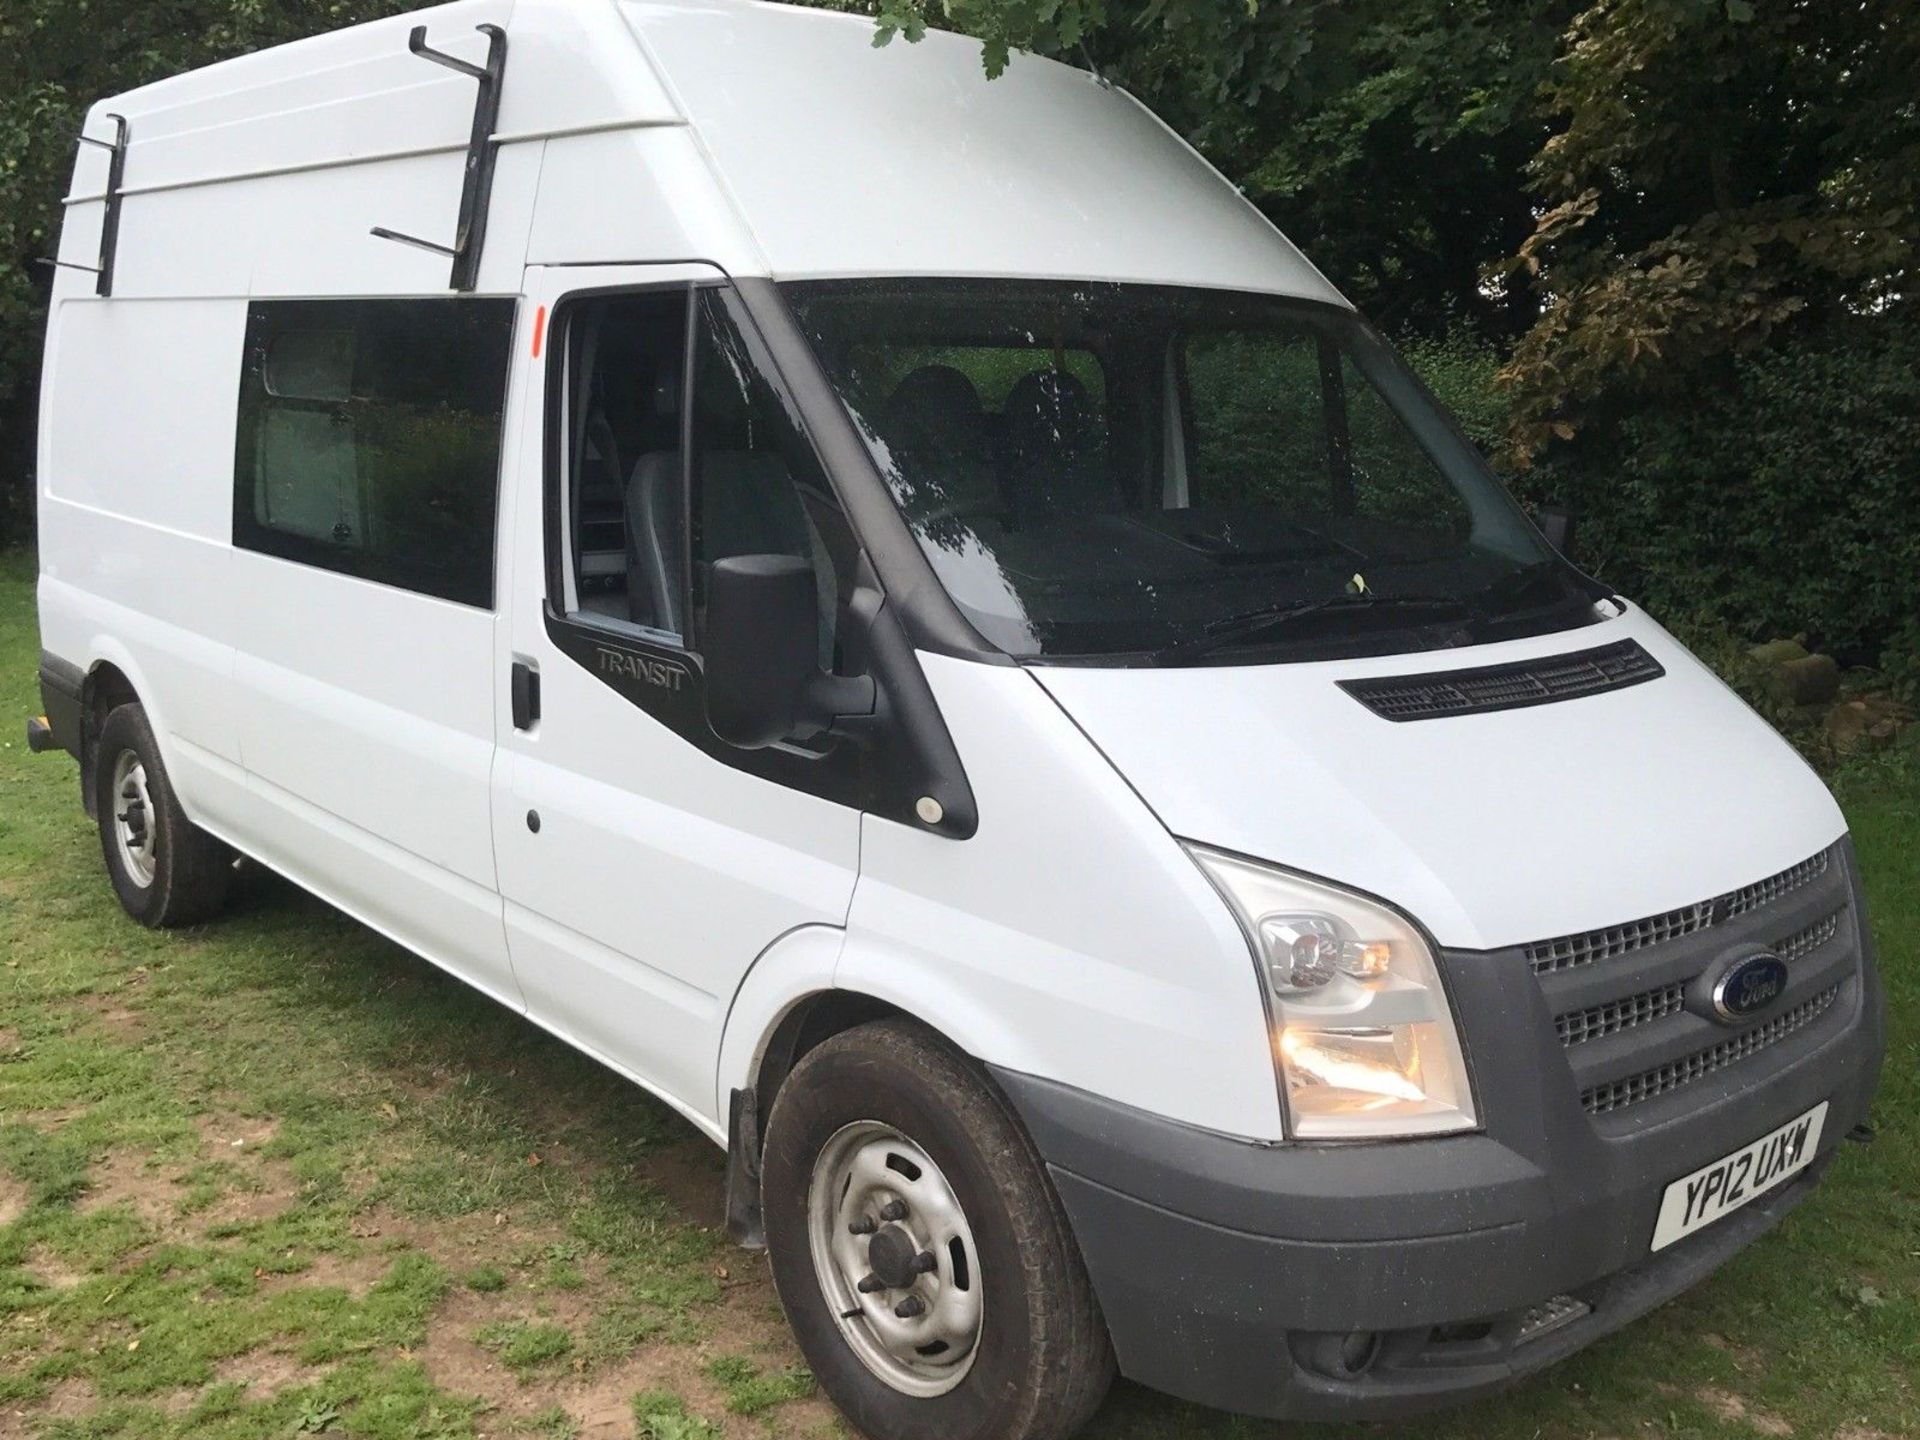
[{"x": 40, "y": 736}]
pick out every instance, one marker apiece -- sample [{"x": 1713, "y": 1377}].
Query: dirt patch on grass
[
  {"x": 460, "y": 1364},
  {"x": 71, "y": 1399},
  {"x": 127, "y": 1178},
  {"x": 112, "y": 1015},
  {"x": 599, "y": 1398},
  {"x": 265, "y": 1373},
  {"x": 13, "y": 1200},
  {"x": 692, "y": 1175},
  {"x": 50, "y": 1271},
  {"x": 1734, "y": 1410},
  {"x": 226, "y": 1136},
  {"x": 355, "y": 1274},
  {"x": 246, "y": 1207}
]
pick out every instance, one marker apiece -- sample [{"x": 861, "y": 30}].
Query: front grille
[
  {"x": 1613, "y": 1016},
  {"x": 1647, "y": 1085},
  {"x": 1628, "y": 1002},
  {"x": 1567, "y": 952},
  {"x": 1798, "y": 947},
  {"x": 1775, "y": 887},
  {"x": 1506, "y": 687},
  {"x": 1570, "y": 951},
  {"x": 1617, "y": 1015}
]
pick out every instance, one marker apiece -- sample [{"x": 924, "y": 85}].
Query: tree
[{"x": 1724, "y": 174}]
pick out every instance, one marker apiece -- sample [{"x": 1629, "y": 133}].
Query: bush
[
  {"x": 1784, "y": 500},
  {"x": 1459, "y": 367}
]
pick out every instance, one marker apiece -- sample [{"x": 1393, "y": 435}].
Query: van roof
[{"x": 769, "y": 138}]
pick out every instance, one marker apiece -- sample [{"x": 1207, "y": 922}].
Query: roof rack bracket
[
  {"x": 116, "y": 149},
  {"x": 476, "y": 195}
]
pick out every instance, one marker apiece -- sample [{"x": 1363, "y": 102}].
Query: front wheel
[
  {"x": 919, "y": 1249},
  {"x": 165, "y": 869}
]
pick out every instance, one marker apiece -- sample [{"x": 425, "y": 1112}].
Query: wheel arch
[
  {"x": 793, "y": 1000},
  {"x": 107, "y": 686}
]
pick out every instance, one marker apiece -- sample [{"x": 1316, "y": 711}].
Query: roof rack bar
[
  {"x": 435, "y": 246},
  {"x": 476, "y": 194},
  {"x": 110, "y": 224},
  {"x": 116, "y": 149}
]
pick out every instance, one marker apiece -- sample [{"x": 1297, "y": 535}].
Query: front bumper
[{"x": 1230, "y": 1273}]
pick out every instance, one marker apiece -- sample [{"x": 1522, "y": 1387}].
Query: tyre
[
  {"x": 919, "y": 1250},
  {"x": 166, "y": 871}
]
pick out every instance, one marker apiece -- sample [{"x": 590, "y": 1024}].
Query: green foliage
[
  {"x": 664, "y": 1416},
  {"x": 749, "y": 1392},
  {"x": 1723, "y": 172},
  {"x": 1780, "y": 500},
  {"x": 1461, "y": 368},
  {"x": 526, "y": 1346}
]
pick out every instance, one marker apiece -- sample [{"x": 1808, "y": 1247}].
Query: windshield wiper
[
  {"x": 1490, "y": 601},
  {"x": 1251, "y": 624}
]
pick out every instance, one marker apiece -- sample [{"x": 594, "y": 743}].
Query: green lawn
[{"x": 278, "y": 1177}]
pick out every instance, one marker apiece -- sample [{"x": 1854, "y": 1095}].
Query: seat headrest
[
  {"x": 1052, "y": 406},
  {"x": 934, "y": 390}
]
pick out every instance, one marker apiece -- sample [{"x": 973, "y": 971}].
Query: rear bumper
[
  {"x": 60, "y": 689},
  {"x": 1230, "y": 1273}
]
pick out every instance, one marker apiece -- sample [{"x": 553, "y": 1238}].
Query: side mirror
[
  {"x": 1558, "y": 526},
  {"x": 762, "y": 655}
]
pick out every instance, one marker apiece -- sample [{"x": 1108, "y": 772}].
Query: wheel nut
[
  {"x": 872, "y": 1285},
  {"x": 911, "y": 1308},
  {"x": 924, "y": 1263},
  {"x": 865, "y": 1225},
  {"x": 894, "y": 1211}
]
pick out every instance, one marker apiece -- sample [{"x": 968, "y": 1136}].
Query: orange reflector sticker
[{"x": 539, "y": 330}]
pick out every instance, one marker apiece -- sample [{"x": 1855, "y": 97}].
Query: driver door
[{"x": 644, "y": 863}]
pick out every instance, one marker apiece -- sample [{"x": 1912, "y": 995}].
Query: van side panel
[
  {"x": 367, "y": 718},
  {"x": 136, "y": 450}
]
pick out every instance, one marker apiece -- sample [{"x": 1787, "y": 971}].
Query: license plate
[{"x": 1699, "y": 1199}]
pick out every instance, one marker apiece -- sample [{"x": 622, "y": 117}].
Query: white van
[{"x": 896, "y": 611}]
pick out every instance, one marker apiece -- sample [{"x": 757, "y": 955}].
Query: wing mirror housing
[{"x": 762, "y": 656}]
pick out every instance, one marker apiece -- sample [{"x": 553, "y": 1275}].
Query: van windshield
[{"x": 1148, "y": 474}]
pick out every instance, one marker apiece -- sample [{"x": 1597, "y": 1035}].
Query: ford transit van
[{"x": 896, "y": 611}]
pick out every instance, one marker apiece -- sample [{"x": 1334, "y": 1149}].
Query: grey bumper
[
  {"x": 61, "y": 686},
  {"x": 1229, "y": 1273}
]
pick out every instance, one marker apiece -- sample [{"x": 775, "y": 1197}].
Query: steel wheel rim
[
  {"x": 135, "y": 834},
  {"x": 876, "y": 1196}
]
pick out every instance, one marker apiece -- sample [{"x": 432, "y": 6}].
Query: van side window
[
  {"x": 625, "y": 493},
  {"x": 369, "y": 439},
  {"x": 664, "y": 477}
]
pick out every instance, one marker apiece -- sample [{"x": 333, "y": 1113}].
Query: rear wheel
[
  {"x": 920, "y": 1252},
  {"x": 166, "y": 870}
]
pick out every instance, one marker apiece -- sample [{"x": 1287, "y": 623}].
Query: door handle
[{"x": 526, "y": 696}]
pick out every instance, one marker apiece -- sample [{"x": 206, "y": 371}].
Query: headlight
[{"x": 1363, "y": 1036}]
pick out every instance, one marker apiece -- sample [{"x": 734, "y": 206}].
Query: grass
[{"x": 276, "y": 1177}]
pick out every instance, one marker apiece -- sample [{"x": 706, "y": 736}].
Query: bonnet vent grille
[{"x": 1506, "y": 687}]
